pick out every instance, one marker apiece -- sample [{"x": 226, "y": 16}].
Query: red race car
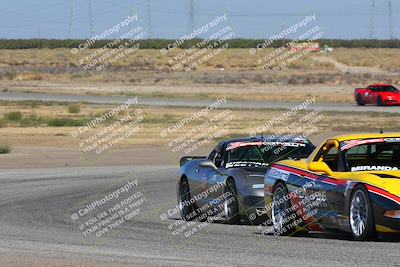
[{"x": 377, "y": 94}]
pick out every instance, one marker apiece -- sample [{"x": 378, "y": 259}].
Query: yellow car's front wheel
[{"x": 360, "y": 215}]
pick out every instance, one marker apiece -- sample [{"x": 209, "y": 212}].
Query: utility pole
[
  {"x": 90, "y": 18},
  {"x": 149, "y": 19},
  {"x": 71, "y": 17},
  {"x": 131, "y": 9},
  {"x": 391, "y": 31},
  {"x": 372, "y": 22},
  {"x": 192, "y": 23}
]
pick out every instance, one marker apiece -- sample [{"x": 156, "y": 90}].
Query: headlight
[{"x": 392, "y": 214}]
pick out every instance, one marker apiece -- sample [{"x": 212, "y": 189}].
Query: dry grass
[
  {"x": 145, "y": 59},
  {"x": 383, "y": 58},
  {"x": 233, "y": 74},
  {"x": 158, "y": 119}
]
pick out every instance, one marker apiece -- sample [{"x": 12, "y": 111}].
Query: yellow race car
[{"x": 349, "y": 183}]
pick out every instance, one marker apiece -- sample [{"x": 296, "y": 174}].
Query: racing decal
[
  {"x": 352, "y": 143},
  {"x": 392, "y": 140},
  {"x": 264, "y": 143},
  {"x": 258, "y": 186},
  {"x": 311, "y": 175},
  {"x": 246, "y": 164},
  {"x": 242, "y": 144},
  {"x": 256, "y": 175},
  {"x": 383, "y": 193},
  {"x": 278, "y": 174},
  {"x": 310, "y": 221},
  {"x": 288, "y": 144},
  {"x": 373, "y": 168}
]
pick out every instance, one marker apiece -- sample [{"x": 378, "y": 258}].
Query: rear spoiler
[{"x": 189, "y": 158}]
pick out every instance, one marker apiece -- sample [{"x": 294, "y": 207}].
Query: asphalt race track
[
  {"x": 339, "y": 107},
  {"x": 34, "y": 221}
]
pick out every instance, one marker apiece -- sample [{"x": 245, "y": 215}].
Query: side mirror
[
  {"x": 208, "y": 164},
  {"x": 321, "y": 166}
]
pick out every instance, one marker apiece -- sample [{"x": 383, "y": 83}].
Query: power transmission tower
[
  {"x": 391, "y": 31},
  {"x": 90, "y": 18},
  {"x": 131, "y": 10},
  {"x": 71, "y": 17},
  {"x": 372, "y": 22},
  {"x": 149, "y": 19},
  {"x": 192, "y": 23}
]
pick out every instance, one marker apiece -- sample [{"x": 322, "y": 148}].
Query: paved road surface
[
  {"x": 189, "y": 103},
  {"x": 34, "y": 221}
]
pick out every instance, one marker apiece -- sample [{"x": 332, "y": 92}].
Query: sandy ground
[
  {"x": 52, "y": 157},
  {"x": 23, "y": 157}
]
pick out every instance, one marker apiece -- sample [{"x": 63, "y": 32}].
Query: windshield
[
  {"x": 262, "y": 154},
  {"x": 381, "y": 154},
  {"x": 385, "y": 89}
]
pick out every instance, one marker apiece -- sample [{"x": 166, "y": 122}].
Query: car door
[
  {"x": 215, "y": 180},
  {"x": 328, "y": 191},
  {"x": 206, "y": 178},
  {"x": 368, "y": 95}
]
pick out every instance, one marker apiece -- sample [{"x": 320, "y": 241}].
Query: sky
[{"x": 62, "y": 19}]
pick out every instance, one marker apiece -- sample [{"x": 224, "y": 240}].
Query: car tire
[
  {"x": 359, "y": 100},
  {"x": 231, "y": 203},
  {"x": 379, "y": 101},
  {"x": 281, "y": 210},
  {"x": 184, "y": 195},
  {"x": 361, "y": 217}
]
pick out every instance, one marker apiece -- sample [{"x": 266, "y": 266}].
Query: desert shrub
[
  {"x": 13, "y": 116},
  {"x": 5, "y": 149},
  {"x": 31, "y": 121},
  {"x": 62, "y": 122},
  {"x": 74, "y": 108}
]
